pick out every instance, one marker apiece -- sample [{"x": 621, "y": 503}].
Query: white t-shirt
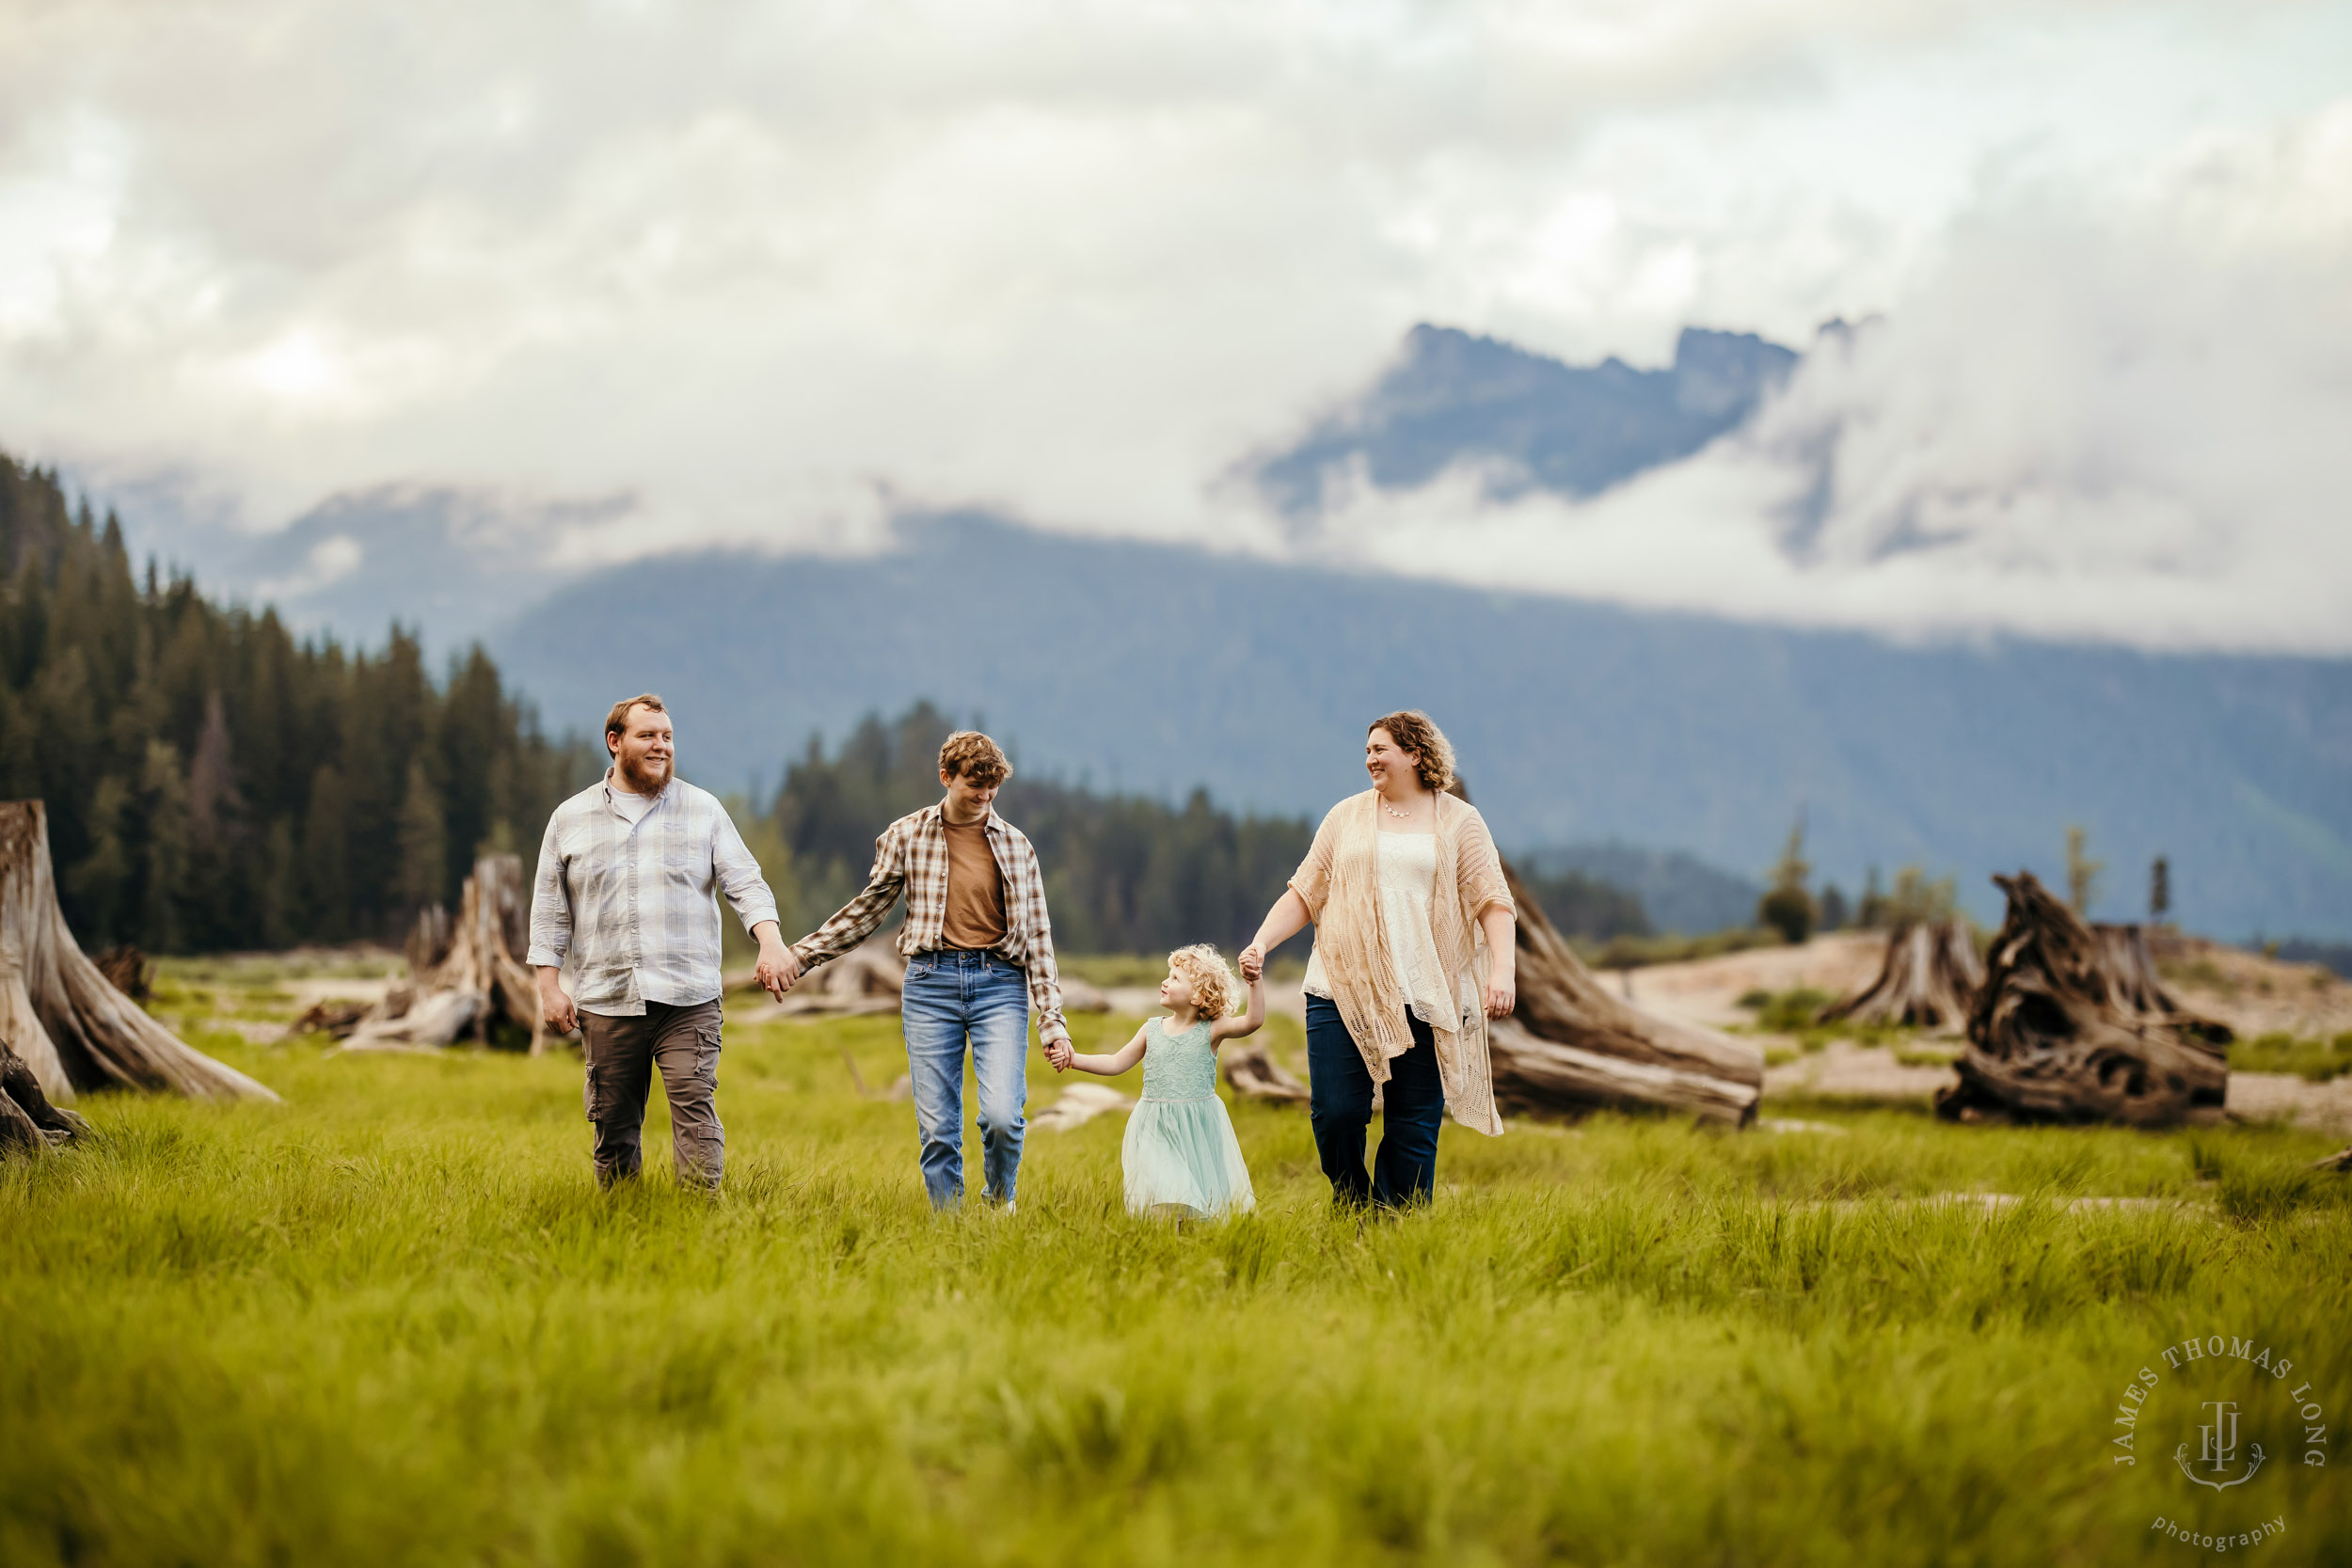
[{"x": 632, "y": 806}]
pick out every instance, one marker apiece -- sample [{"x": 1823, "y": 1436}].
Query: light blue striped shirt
[{"x": 630, "y": 910}]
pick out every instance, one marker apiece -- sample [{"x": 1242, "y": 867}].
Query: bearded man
[
  {"x": 626, "y": 901},
  {"x": 979, "y": 952}
]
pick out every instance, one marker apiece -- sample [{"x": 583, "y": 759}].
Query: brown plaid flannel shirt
[{"x": 912, "y": 856}]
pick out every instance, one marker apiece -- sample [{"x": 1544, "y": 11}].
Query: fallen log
[
  {"x": 1569, "y": 1045},
  {"x": 1927, "y": 979},
  {"x": 464, "y": 972},
  {"x": 72, "y": 1028},
  {"x": 2051, "y": 1037}
]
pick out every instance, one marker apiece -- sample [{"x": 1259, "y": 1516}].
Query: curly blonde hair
[
  {"x": 1416, "y": 731},
  {"x": 1215, "y": 986}
]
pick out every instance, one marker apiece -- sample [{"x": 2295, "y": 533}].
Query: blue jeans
[
  {"x": 953, "y": 994},
  {"x": 1339, "y": 1105}
]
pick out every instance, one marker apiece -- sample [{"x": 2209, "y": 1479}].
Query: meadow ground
[{"x": 391, "y": 1321}]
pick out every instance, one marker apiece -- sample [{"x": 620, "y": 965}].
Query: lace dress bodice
[
  {"x": 1179, "y": 1065},
  {"x": 1407, "y": 878}
]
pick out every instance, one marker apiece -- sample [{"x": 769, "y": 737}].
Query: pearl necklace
[{"x": 1405, "y": 815}]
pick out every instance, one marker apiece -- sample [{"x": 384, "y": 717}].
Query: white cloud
[
  {"x": 2122, "y": 424},
  {"x": 771, "y": 271}
]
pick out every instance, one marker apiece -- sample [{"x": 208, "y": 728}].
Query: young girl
[{"x": 1181, "y": 1156}]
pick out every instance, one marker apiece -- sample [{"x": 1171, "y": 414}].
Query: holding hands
[{"x": 1058, "y": 1053}]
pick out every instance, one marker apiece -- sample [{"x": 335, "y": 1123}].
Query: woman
[{"x": 1414, "y": 932}]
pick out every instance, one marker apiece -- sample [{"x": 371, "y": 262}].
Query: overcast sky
[{"x": 696, "y": 272}]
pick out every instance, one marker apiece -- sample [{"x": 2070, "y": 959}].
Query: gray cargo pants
[{"x": 622, "y": 1053}]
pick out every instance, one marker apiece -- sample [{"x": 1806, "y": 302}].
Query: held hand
[
  {"x": 1252, "y": 962},
  {"x": 779, "y": 967},
  {"x": 554, "y": 1006},
  {"x": 1503, "y": 994},
  {"x": 1058, "y": 1053}
]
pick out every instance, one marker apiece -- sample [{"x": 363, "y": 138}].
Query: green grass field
[{"x": 391, "y": 1321}]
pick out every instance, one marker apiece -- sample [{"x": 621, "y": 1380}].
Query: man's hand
[
  {"x": 779, "y": 966},
  {"x": 1058, "y": 1053},
  {"x": 554, "y": 1006},
  {"x": 1252, "y": 962}
]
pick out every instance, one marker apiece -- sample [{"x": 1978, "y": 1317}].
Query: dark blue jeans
[{"x": 1340, "y": 1104}]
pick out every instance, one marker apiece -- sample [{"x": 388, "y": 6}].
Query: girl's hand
[
  {"x": 1252, "y": 962},
  {"x": 1058, "y": 1053}
]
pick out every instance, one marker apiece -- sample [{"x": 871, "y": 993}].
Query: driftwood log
[
  {"x": 1569, "y": 1045},
  {"x": 465, "y": 974},
  {"x": 1252, "y": 1072},
  {"x": 73, "y": 1030},
  {"x": 2063, "y": 1031},
  {"x": 1928, "y": 979}
]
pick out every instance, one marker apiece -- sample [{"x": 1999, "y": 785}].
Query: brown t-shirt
[{"x": 975, "y": 917}]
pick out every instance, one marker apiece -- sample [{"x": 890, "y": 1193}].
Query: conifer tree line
[
  {"x": 1123, "y": 873},
  {"x": 215, "y": 784},
  {"x": 212, "y": 783}
]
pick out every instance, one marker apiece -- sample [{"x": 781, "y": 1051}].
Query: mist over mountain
[
  {"x": 1154, "y": 668},
  {"x": 1532, "y": 421}
]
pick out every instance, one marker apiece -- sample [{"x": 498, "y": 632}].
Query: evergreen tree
[{"x": 211, "y": 782}]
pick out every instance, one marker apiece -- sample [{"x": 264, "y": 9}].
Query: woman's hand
[
  {"x": 1252, "y": 961},
  {"x": 1503, "y": 994}
]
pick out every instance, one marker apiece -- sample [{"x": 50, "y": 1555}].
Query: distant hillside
[
  {"x": 1678, "y": 891},
  {"x": 1537, "y": 422},
  {"x": 1150, "y": 667}
]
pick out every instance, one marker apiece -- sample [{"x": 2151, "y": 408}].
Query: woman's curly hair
[
  {"x": 1215, "y": 986},
  {"x": 1414, "y": 730}
]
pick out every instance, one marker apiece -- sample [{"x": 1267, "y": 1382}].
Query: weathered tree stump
[
  {"x": 1928, "y": 979},
  {"x": 1569, "y": 1045},
  {"x": 464, "y": 972},
  {"x": 2056, "y": 1034},
  {"x": 2129, "y": 968},
  {"x": 73, "y": 1030}
]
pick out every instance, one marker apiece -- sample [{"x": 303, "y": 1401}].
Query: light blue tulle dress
[{"x": 1181, "y": 1155}]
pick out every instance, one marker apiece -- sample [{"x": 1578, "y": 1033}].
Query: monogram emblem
[{"x": 2218, "y": 1449}]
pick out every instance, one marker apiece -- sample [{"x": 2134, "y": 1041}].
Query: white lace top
[{"x": 1408, "y": 876}]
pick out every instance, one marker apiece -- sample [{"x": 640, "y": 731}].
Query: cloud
[
  {"x": 2122, "y": 424},
  {"x": 776, "y": 273}
]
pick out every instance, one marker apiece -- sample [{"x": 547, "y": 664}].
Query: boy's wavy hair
[
  {"x": 1416, "y": 731},
  {"x": 970, "y": 756},
  {"x": 1215, "y": 986}
]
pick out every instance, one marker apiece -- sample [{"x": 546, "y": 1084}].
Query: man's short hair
[
  {"x": 970, "y": 756},
  {"x": 617, "y": 722}
]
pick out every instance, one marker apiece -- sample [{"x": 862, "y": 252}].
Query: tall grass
[{"x": 391, "y": 1321}]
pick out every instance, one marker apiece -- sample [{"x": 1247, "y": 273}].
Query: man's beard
[{"x": 654, "y": 775}]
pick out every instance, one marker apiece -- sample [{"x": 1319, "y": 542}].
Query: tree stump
[
  {"x": 1569, "y": 1045},
  {"x": 72, "y": 1029},
  {"x": 464, "y": 972},
  {"x": 2056, "y": 1034},
  {"x": 1928, "y": 979}
]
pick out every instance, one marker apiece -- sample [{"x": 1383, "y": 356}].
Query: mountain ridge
[{"x": 1157, "y": 668}]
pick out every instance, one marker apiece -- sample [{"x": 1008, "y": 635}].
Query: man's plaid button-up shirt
[
  {"x": 911, "y": 855},
  {"x": 631, "y": 909}
]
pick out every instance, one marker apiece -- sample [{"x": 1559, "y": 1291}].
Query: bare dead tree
[
  {"x": 72, "y": 1029},
  {"x": 2057, "y": 1034},
  {"x": 465, "y": 973}
]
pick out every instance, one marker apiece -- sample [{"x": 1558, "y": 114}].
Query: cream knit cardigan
[{"x": 1339, "y": 881}]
